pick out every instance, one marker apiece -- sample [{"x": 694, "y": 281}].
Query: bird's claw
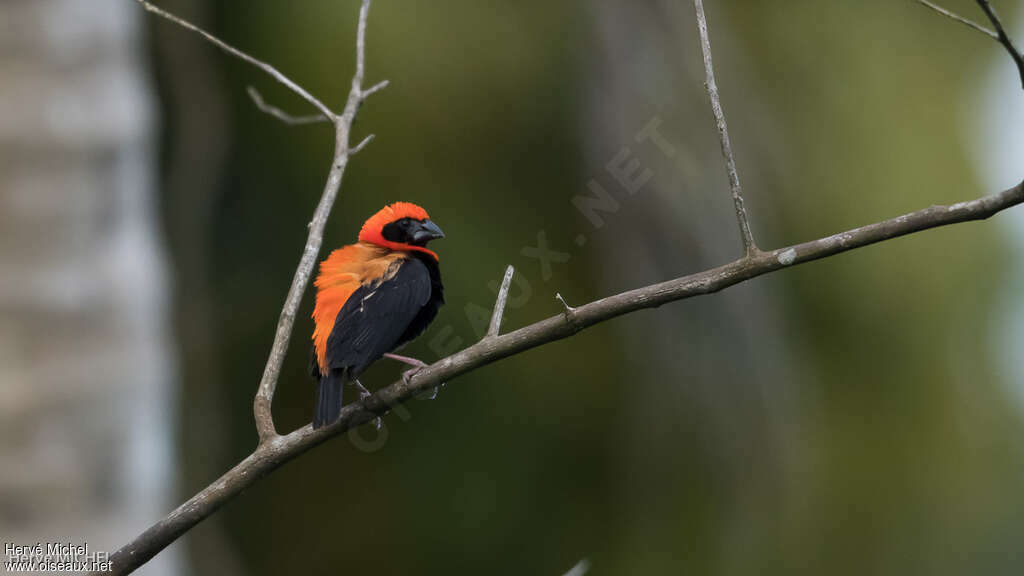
[
  {"x": 412, "y": 372},
  {"x": 409, "y": 374},
  {"x": 363, "y": 395}
]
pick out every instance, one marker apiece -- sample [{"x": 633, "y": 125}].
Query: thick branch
[
  {"x": 723, "y": 132},
  {"x": 280, "y": 449},
  {"x": 274, "y": 450}
]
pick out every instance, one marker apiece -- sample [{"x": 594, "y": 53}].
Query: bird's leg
[
  {"x": 363, "y": 392},
  {"x": 407, "y": 360},
  {"x": 417, "y": 366},
  {"x": 363, "y": 395}
]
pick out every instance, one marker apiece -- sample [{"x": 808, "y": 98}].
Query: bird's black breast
[
  {"x": 434, "y": 303},
  {"x": 382, "y": 315}
]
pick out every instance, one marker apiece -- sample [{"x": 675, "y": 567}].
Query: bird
[{"x": 372, "y": 297}]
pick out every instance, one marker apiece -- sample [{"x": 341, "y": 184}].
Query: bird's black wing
[{"x": 376, "y": 315}]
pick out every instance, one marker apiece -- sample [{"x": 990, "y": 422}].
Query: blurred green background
[{"x": 843, "y": 417}]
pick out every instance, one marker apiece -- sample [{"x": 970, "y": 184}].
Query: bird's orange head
[{"x": 401, "y": 226}]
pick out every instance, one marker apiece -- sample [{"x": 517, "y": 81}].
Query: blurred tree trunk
[
  {"x": 86, "y": 379},
  {"x": 196, "y": 145},
  {"x": 712, "y": 380},
  {"x": 835, "y": 416}
]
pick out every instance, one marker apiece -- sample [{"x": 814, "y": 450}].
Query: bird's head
[{"x": 401, "y": 226}]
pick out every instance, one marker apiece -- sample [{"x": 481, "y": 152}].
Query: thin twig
[
  {"x": 362, "y": 144},
  {"x": 723, "y": 132},
  {"x": 959, "y": 18},
  {"x": 999, "y": 34},
  {"x": 281, "y": 115},
  {"x": 499, "y": 304},
  {"x": 375, "y": 88},
  {"x": 281, "y": 449},
  {"x": 569, "y": 313},
  {"x": 273, "y": 72},
  {"x": 580, "y": 569},
  {"x": 1003, "y": 38},
  {"x": 565, "y": 305}
]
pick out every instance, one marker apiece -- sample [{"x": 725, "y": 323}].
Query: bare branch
[
  {"x": 723, "y": 132},
  {"x": 273, "y": 72},
  {"x": 999, "y": 35},
  {"x": 278, "y": 450},
  {"x": 959, "y": 18},
  {"x": 342, "y": 152},
  {"x": 281, "y": 115},
  {"x": 499, "y": 304},
  {"x": 274, "y": 450},
  {"x": 1003, "y": 38}
]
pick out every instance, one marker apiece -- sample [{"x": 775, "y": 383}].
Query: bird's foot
[
  {"x": 427, "y": 395},
  {"x": 408, "y": 374},
  {"x": 363, "y": 395},
  {"x": 417, "y": 366}
]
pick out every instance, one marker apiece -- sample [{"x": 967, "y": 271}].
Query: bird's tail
[{"x": 328, "y": 399}]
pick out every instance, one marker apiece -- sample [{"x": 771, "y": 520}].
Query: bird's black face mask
[{"x": 412, "y": 232}]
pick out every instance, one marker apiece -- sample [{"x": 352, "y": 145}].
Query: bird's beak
[{"x": 427, "y": 231}]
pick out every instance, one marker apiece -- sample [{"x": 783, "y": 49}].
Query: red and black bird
[{"x": 372, "y": 297}]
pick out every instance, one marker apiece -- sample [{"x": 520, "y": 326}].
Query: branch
[
  {"x": 959, "y": 18},
  {"x": 749, "y": 246},
  {"x": 568, "y": 312},
  {"x": 274, "y": 450},
  {"x": 281, "y": 115},
  {"x": 277, "y": 451},
  {"x": 157, "y": 537},
  {"x": 499, "y": 304},
  {"x": 273, "y": 72},
  {"x": 342, "y": 152},
  {"x": 1018, "y": 59},
  {"x": 998, "y": 35}
]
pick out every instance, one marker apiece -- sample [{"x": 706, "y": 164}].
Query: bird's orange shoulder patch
[{"x": 341, "y": 274}]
